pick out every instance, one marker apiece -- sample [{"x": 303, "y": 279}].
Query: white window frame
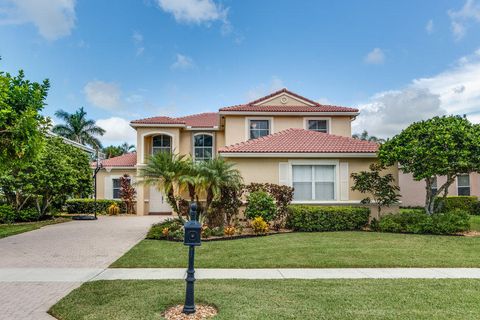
[
  {"x": 336, "y": 189},
  {"x": 469, "y": 184},
  {"x": 158, "y": 135},
  {"x": 142, "y": 151},
  {"x": 203, "y": 133},
  {"x": 119, "y": 188},
  {"x": 247, "y": 125},
  {"x": 328, "y": 119}
]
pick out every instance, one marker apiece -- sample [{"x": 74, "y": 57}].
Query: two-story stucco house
[{"x": 282, "y": 138}]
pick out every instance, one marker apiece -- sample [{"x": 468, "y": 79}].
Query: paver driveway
[{"x": 81, "y": 247}]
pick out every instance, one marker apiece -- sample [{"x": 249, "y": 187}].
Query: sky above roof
[{"x": 397, "y": 62}]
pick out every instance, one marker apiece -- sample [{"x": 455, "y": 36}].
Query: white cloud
[
  {"x": 460, "y": 19},
  {"x": 430, "y": 27},
  {"x": 376, "y": 56},
  {"x": 182, "y": 62},
  {"x": 453, "y": 91},
  {"x": 53, "y": 18},
  {"x": 194, "y": 11},
  {"x": 137, "y": 38},
  {"x": 103, "y": 94},
  {"x": 263, "y": 89},
  {"x": 117, "y": 131}
]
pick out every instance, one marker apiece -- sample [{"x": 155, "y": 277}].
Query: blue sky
[{"x": 398, "y": 61}]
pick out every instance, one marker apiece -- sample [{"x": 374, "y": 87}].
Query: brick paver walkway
[{"x": 88, "y": 245}]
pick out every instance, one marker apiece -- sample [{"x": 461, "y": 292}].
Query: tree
[
  {"x": 60, "y": 171},
  {"x": 127, "y": 148},
  {"x": 115, "y": 151},
  {"x": 364, "y": 136},
  {"x": 22, "y": 127},
  {"x": 78, "y": 128},
  {"x": 215, "y": 174},
  {"x": 381, "y": 188},
  {"x": 164, "y": 170},
  {"x": 441, "y": 146}
]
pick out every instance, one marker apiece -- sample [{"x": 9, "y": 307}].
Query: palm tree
[
  {"x": 78, "y": 128},
  {"x": 126, "y": 148},
  {"x": 165, "y": 171},
  {"x": 215, "y": 174},
  {"x": 364, "y": 136}
]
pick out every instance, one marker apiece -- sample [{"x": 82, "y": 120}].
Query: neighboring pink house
[{"x": 413, "y": 192}]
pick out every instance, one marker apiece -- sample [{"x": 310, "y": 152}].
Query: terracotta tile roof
[
  {"x": 201, "y": 120},
  {"x": 158, "y": 120},
  {"x": 126, "y": 160},
  {"x": 317, "y": 107},
  {"x": 302, "y": 141}
]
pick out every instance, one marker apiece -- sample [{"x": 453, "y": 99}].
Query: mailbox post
[{"x": 193, "y": 231}]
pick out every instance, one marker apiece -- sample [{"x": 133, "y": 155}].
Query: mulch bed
[
  {"x": 202, "y": 312},
  {"x": 237, "y": 236}
]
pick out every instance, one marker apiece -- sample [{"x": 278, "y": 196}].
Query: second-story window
[
  {"x": 259, "y": 128},
  {"x": 203, "y": 147},
  {"x": 161, "y": 143},
  {"x": 318, "y": 125}
]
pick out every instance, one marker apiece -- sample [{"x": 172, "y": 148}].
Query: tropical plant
[
  {"x": 113, "y": 210},
  {"x": 380, "y": 188},
  {"x": 128, "y": 193},
  {"x": 215, "y": 174},
  {"x": 441, "y": 146},
  {"x": 78, "y": 128},
  {"x": 165, "y": 171},
  {"x": 112, "y": 151},
  {"x": 259, "y": 226},
  {"x": 127, "y": 148},
  {"x": 364, "y": 136}
]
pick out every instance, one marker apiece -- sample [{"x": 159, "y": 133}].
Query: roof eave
[
  {"x": 227, "y": 154},
  {"x": 293, "y": 113},
  {"x": 171, "y": 125}
]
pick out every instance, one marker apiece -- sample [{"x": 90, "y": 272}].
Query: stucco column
[{"x": 140, "y": 198}]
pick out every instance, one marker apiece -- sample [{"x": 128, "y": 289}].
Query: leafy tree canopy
[
  {"x": 441, "y": 146},
  {"x": 22, "y": 127}
]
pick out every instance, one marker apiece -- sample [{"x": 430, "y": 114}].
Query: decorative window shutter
[
  {"x": 284, "y": 173},
  {"x": 108, "y": 187},
  {"x": 344, "y": 190}
]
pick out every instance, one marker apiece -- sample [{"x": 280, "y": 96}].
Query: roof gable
[{"x": 283, "y": 97}]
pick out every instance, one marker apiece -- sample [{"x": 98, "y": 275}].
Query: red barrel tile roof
[
  {"x": 201, "y": 120},
  {"x": 126, "y": 160},
  {"x": 302, "y": 141},
  {"x": 317, "y": 107}
]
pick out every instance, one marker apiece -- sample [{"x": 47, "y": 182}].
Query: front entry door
[{"x": 158, "y": 202}]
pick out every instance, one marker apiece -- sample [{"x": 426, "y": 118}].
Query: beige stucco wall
[
  {"x": 144, "y": 141},
  {"x": 264, "y": 170},
  {"x": 236, "y": 127},
  {"x": 103, "y": 174},
  {"x": 413, "y": 192}
]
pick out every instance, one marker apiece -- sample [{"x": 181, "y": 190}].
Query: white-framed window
[
  {"x": 202, "y": 146},
  {"x": 318, "y": 124},
  {"x": 314, "y": 182},
  {"x": 258, "y": 128},
  {"x": 161, "y": 143},
  {"x": 463, "y": 185},
  {"x": 116, "y": 188}
]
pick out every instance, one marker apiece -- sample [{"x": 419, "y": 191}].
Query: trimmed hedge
[
  {"x": 87, "y": 206},
  {"x": 319, "y": 218},
  {"x": 419, "y": 222},
  {"x": 466, "y": 203},
  {"x": 9, "y": 215}
]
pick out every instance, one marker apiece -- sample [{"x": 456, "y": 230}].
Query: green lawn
[
  {"x": 16, "y": 228},
  {"x": 278, "y": 299},
  {"x": 312, "y": 250},
  {"x": 475, "y": 223}
]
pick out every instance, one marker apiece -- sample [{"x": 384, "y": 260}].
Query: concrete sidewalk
[{"x": 79, "y": 275}]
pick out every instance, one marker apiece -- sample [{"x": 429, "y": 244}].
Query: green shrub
[
  {"x": 171, "y": 229},
  {"x": 7, "y": 214},
  {"x": 319, "y": 218},
  {"x": 28, "y": 215},
  {"x": 260, "y": 204},
  {"x": 419, "y": 222},
  {"x": 466, "y": 203},
  {"x": 87, "y": 206}
]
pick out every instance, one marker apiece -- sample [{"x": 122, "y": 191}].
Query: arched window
[
  {"x": 202, "y": 147},
  {"x": 161, "y": 143}
]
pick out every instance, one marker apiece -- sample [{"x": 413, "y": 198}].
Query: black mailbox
[{"x": 193, "y": 229}]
